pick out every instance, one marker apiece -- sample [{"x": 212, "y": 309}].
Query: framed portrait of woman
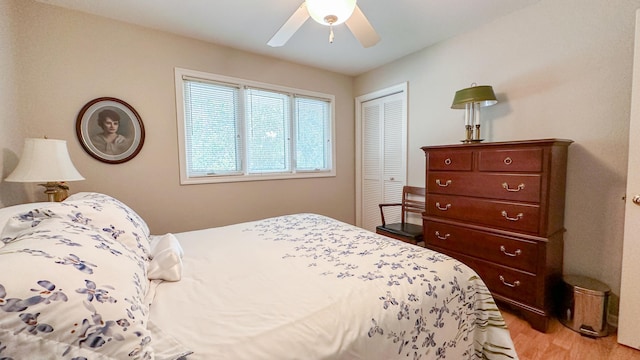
[{"x": 110, "y": 130}]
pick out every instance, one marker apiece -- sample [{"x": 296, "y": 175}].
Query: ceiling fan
[{"x": 329, "y": 13}]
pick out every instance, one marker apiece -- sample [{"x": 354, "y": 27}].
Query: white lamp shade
[
  {"x": 320, "y": 9},
  {"x": 44, "y": 160}
]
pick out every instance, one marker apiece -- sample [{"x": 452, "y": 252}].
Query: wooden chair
[{"x": 413, "y": 201}]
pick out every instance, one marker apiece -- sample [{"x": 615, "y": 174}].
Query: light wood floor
[{"x": 562, "y": 343}]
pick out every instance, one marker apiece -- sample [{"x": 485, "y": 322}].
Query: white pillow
[
  {"x": 134, "y": 218},
  {"x": 166, "y": 258},
  {"x": 111, "y": 217},
  {"x": 7, "y": 215}
]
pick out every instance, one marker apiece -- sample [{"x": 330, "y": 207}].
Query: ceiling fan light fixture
[{"x": 330, "y": 12}]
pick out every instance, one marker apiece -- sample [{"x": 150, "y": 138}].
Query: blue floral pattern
[
  {"x": 80, "y": 292},
  {"x": 445, "y": 296}
]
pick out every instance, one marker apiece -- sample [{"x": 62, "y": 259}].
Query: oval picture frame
[{"x": 104, "y": 141}]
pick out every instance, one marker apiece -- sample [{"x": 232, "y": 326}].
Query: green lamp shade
[{"x": 482, "y": 95}]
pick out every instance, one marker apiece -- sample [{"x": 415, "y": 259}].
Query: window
[{"x": 238, "y": 130}]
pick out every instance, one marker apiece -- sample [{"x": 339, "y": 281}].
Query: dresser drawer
[
  {"x": 510, "y": 283},
  {"x": 511, "y": 252},
  {"x": 515, "y": 187},
  {"x": 450, "y": 160},
  {"x": 501, "y": 214},
  {"x": 513, "y": 160}
]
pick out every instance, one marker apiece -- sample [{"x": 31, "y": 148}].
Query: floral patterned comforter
[
  {"x": 307, "y": 287},
  {"x": 73, "y": 281}
]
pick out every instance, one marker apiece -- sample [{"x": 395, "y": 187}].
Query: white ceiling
[{"x": 404, "y": 26}]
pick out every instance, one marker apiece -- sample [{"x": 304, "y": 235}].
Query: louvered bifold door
[
  {"x": 393, "y": 153},
  {"x": 371, "y": 164},
  {"x": 384, "y": 158}
]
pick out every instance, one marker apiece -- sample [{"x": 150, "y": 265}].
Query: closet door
[
  {"x": 384, "y": 169},
  {"x": 628, "y": 324}
]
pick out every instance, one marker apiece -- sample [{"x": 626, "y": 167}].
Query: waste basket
[{"x": 584, "y": 305}]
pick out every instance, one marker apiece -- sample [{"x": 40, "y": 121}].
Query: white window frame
[{"x": 185, "y": 179}]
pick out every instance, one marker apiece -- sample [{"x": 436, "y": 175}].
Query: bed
[{"x": 85, "y": 279}]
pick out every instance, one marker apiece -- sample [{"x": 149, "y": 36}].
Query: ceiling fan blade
[
  {"x": 362, "y": 29},
  {"x": 290, "y": 27}
]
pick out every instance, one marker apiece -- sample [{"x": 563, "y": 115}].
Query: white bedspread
[{"x": 309, "y": 287}]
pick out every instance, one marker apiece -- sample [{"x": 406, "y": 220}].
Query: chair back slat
[{"x": 413, "y": 200}]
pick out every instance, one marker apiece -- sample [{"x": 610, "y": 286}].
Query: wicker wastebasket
[{"x": 584, "y": 305}]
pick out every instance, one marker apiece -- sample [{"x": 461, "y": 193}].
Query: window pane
[
  {"x": 267, "y": 131},
  {"x": 312, "y": 139},
  {"x": 241, "y": 130},
  {"x": 212, "y": 142}
]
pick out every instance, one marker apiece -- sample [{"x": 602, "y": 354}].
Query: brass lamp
[
  {"x": 48, "y": 161},
  {"x": 472, "y": 99}
]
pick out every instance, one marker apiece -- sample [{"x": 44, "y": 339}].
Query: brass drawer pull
[
  {"x": 447, "y": 183},
  {"x": 506, "y": 216},
  {"x": 515, "y": 283},
  {"x": 506, "y": 187},
  {"x": 504, "y": 251},
  {"x": 443, "y": 208},
  {"x": 508, "y": 161},
  {"x": 445, "y": 237},
  {"x": 447, "y": 161}
]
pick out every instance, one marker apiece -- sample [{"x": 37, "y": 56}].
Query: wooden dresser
[{"x": 499, "y": 208}]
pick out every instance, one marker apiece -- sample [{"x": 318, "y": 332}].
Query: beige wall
[
  {"x": 560, "y": 69},
  {"x": 68, "y": 58},
  {"x": 11, "y": 138}
]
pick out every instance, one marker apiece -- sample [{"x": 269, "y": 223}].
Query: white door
[
  {"x": 629, "y": 316},
  {"x": 381, "y": 155}
]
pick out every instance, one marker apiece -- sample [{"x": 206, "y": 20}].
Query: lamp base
[
  {"x": 56, "y": 191},
  {"x": 469, "y": 134}
]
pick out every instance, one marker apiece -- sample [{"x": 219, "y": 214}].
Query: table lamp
[
  {"x": 45, "y": 160},
  {"x": 472, "y": 99}
]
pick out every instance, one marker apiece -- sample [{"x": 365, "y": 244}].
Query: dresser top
[{"x": 537, "y": 142}]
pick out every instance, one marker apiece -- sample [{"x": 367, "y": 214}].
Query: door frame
[
  {"x": 629, "y": 309},
  {"x": 391, "y": 90}
]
